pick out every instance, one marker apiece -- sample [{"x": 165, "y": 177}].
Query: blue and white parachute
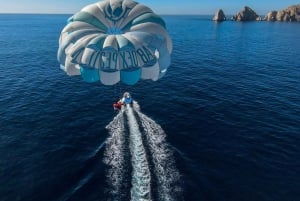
[{"x": 115, "y": 40}]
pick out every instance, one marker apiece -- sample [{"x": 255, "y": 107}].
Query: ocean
[{"x": 227, "y": 112}]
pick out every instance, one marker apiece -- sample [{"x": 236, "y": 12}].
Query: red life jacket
[{"x": 118, "y": 105}]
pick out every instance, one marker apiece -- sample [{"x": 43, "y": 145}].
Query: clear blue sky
[{"x": 159, "y": 6}]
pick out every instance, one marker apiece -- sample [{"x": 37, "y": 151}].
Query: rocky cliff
[
  {"x": 219, "y": 16},
  {"x": 291, "y": 14},
  {"x": 247, "y": 14}
]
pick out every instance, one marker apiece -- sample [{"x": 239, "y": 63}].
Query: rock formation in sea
[
  {"x": 247, "y": 14},
  {"x": 290, "y": 14},
  {"x": 219, "y": 16}
]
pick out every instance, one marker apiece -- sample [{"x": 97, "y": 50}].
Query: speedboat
[{"x": 124, "y": 101}]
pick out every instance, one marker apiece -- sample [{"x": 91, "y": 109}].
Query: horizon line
[{"x": 44, "y": 13}]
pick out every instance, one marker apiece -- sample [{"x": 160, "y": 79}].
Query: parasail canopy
[{"x": 115, "y": 40}]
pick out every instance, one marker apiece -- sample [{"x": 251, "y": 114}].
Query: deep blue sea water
[{"x": 229, "y": 105}]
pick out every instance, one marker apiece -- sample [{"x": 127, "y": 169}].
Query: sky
[{"x": 201, "y": 7}]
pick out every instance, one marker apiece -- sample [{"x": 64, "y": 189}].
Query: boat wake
[{"x": 141, "y": 166}]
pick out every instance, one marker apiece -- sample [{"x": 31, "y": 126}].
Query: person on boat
[
  {"x": 117, "y": 105},
  {"x": 126, "y": 98}
]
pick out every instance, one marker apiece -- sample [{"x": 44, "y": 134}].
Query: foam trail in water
[
  {"x": 114, "y": 155},
  {"x": 141, "y": 179},
  {"x": 164, "y": 164}
]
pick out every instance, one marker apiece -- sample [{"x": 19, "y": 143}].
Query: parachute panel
[
  {"x": 131, "y": 76},
  {"x": 109, "y": 77},
  {"x": 89, "y": 74}
]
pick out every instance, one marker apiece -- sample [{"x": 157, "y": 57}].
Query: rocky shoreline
[{"x": 290, "y": 14}]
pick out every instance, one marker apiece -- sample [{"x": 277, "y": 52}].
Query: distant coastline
[{"x": 289, "y": 14}]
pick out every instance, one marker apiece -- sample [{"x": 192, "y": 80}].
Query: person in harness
[{"x": 117, "y": 105}]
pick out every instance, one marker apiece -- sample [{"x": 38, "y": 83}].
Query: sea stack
[
  {"x": 291, "y": 14},
  {"x": 219, "y": 16},
  {"x": 247, "y": 14}
]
